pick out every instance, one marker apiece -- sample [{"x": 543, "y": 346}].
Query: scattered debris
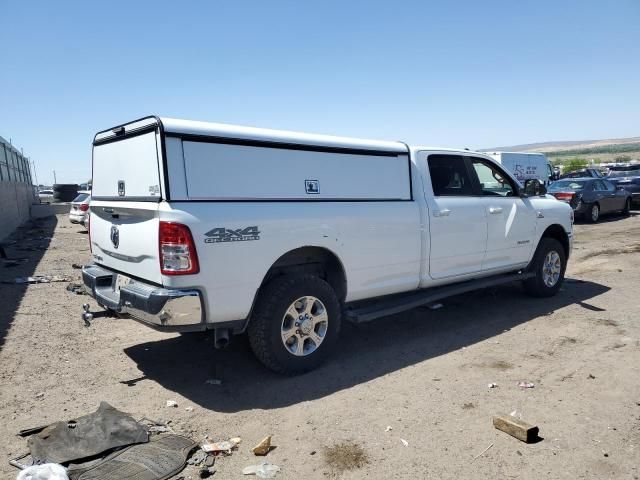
[
  {"x": 388, "y": 429},
  {"x": 213, "y": 381},
  {"x": 47, "y": 471},
  {"x": 225, "y": 446},
  {"x": 160, "y": 429},
  {"x": 198, "y": 457},
  {"x": 172, "y": 404},
  {"x": 263, "y": 447},
  {"x": 468, "y": 406},
  {"x": 77, "y": 266},
  {"x": 76, "y": 288},
  {"x": 262, "y": 470},
  {"x": 40, "y": 279},
  {"x": 516, "y": 428},
  {"x": 206, "y": 472},
  {"x": 188, "y": 409},
  {"x": 492, "y": 385},
  {"x": 40, "y": 395},
  {"x": 591, "y": 377},
  {"x": 482, "y": 453},
  {"x": 404, "y": 442},
  {"x": 526, "y": 385}
]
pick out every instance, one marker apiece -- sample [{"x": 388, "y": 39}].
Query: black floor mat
[{"x": 161, "y": 458}]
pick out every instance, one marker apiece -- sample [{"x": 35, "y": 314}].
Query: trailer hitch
[{"x": 88, "y": 316}]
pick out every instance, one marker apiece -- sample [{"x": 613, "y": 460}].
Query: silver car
[{"x": 80, "y": 208}]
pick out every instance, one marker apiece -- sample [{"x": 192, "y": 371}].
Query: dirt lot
[{"x": 424, "y": 373}]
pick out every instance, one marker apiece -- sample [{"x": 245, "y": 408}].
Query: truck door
[
  {"x": 511, "y": 220},
  {"x": 457, "y": 221}
]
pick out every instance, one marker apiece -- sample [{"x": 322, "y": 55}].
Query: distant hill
[{"x": 549, "y": 147}]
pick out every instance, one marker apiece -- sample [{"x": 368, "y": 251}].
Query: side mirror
[{"x": 533, "y": 188}]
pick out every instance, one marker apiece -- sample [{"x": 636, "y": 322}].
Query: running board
[{"x": 402, "y": 302}]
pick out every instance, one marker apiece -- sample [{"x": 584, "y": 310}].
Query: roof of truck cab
[{"x": 222, "y": 130}]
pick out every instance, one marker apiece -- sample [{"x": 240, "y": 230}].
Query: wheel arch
[{"x": 557, "y": 232}]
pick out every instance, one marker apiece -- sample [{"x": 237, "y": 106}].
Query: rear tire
[
  {"x": 549, "y": 264},
  {"x": 305, "y": 310},
  {"x": 594, "y": 213}
]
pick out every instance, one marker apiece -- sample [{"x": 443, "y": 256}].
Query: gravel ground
[{"x": 424, "y": 374}]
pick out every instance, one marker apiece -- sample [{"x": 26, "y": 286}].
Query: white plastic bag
[{"x": 46, "y": 471}]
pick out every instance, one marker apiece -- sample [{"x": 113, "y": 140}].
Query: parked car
[
  {"x": 80, "y": 208},
  {"x": 201, "y": 226},
  {"x": 45, "y": 196},
  {"x": 583, "y": 173},
  {"x": 627, "y": 177},
  {"x": 590, "y": 197}
]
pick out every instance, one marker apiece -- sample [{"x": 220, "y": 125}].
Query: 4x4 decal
[{"x": 221, "y": 234}]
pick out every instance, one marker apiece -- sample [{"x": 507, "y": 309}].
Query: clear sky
[{"x": 449, "y": 73}]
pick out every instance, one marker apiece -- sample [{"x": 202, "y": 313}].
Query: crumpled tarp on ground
[{"x": 86, "y": 436}]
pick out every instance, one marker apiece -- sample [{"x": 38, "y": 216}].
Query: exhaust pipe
[{"x": 221, "y": 337}]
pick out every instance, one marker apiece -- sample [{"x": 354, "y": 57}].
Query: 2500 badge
[{"x": 221, "y": 234}]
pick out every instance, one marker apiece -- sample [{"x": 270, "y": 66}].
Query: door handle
[
  {"x": 442, "y": 213},
  {"x": 495, "y": 210}
]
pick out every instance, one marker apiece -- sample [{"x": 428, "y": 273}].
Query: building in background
[{"x": 16, "y": 188}]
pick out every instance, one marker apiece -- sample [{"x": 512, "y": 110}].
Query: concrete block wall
[{"x": 15, "y": 206}]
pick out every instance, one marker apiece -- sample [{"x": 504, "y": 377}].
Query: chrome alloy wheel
[
  {"x": 304, "y": 326},
  {"x": 551, "y": 268}
]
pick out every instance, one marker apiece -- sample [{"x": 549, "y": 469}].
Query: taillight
[
  {"x": 177, "y": 251},
  {"x": 564, "y": 196},
  {"x": 84, "y": 207}
]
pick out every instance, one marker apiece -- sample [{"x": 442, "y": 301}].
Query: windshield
[
  {"x": 80, "y": 198},
  {"x": 564, "y": 185},
  {"x": 624, "y": 173}
]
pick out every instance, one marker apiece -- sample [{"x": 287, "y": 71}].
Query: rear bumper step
[{"x": 156, "y": 306}]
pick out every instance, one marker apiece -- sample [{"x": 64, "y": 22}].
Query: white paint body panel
[
  {"x": 240, "y": 172},
  {"x": 387, "y": 241},
  {"x": 524, "y": 166}
]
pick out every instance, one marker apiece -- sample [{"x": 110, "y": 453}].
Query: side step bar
[{"x": 392, "y": 304}]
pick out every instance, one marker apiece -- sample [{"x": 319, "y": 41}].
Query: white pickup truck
[{"x": 201, "y": 226}]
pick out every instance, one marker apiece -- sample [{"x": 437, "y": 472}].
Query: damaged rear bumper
[{"x": 170, "y": 309}]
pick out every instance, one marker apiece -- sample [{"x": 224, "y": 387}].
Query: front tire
[
  {"x": 549, "y": 264},
  {"x": 295, "y": 324}
]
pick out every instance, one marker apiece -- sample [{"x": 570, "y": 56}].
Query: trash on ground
[
  {"x": 47, "y": 471},
  {"x": 591, "y": 376},
  {"x": 225, "y": 446},
  {"x": 198, "y": 457},
  {"x": 482, "y": 453},
  {"x": 41, "y": 279},
  {"x": 404, "y": 442},
  {"x": 262, "y": 470},
  {"x": 105, "y": 429},
  {"x": 516, "y": 428},
  {"x": 76, "y": 288},
  {"x": 188, "y": 409},
  {"x": 388, "y": 429},
  {"x": 213, "y": 381},
  {"x": 492, "y": 385},
  {"x": 172, "y": 403},
  {"x": 77, "y": 265},
  {"x": 263, "y": 447},
  {"x": 526, "y": 385}
]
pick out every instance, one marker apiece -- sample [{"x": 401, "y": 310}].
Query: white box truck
[
  {"x": 202, "y": 226},
  {"x": 526, "y": 166}
]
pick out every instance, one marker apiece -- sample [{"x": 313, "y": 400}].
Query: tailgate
[
  {"x": 124, "y": 237},
  {"x": 124, "y": 204}
]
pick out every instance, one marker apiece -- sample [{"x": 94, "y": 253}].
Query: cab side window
[
  {"x": 493, "y": 181},
  {"x": 449, "y": 176}
]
